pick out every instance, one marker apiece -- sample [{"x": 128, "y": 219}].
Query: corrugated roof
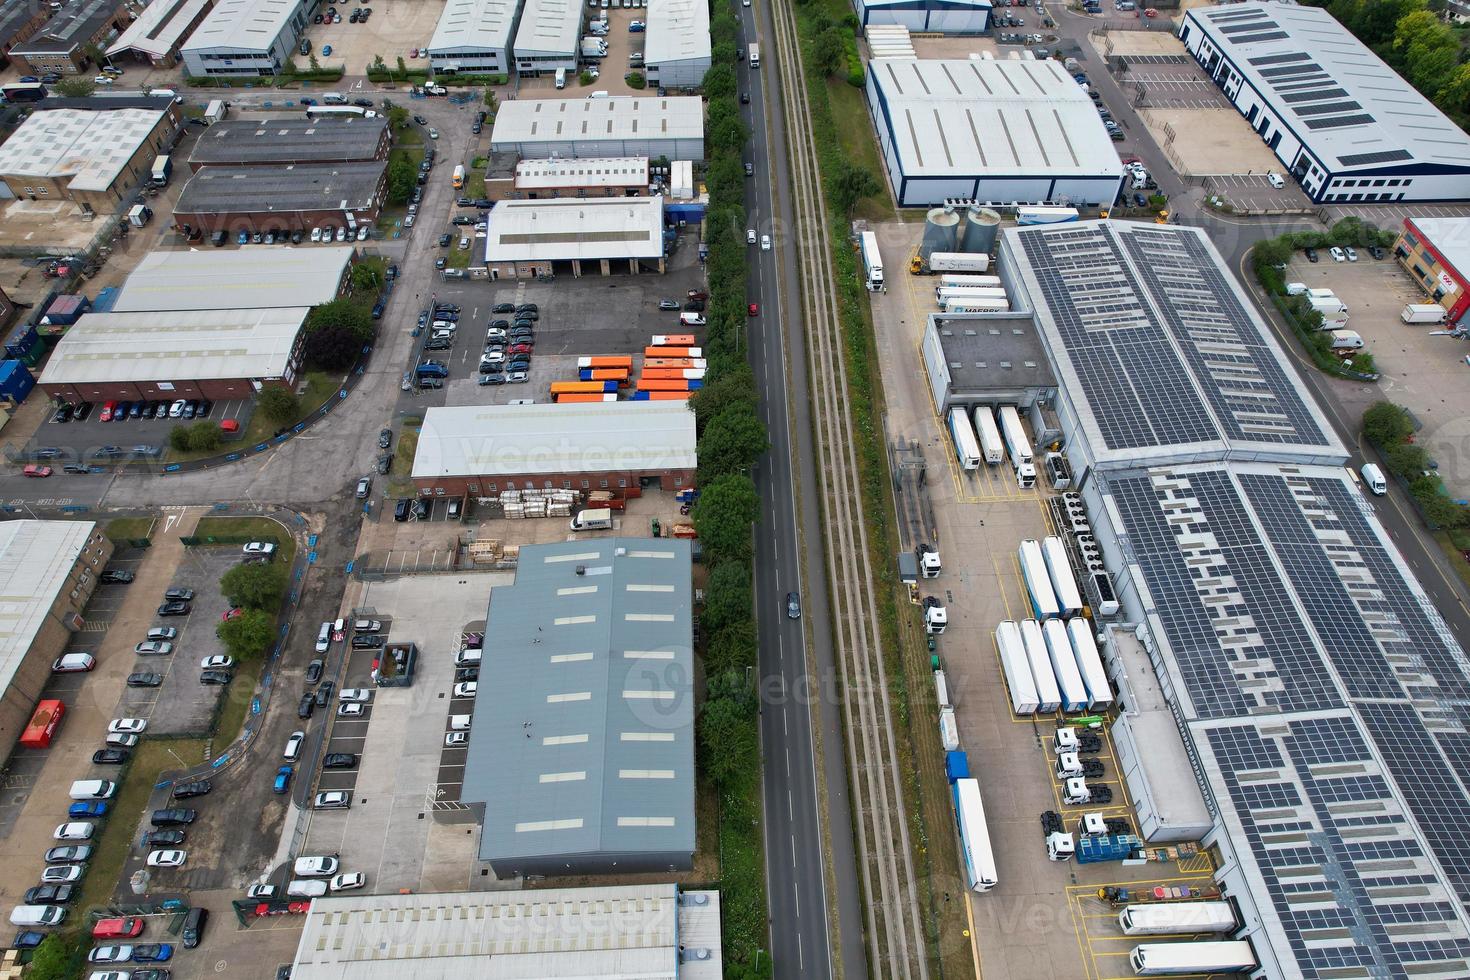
[
  {"x": 582, "y": 172},
  {"x": 619, "y": 118},
  {"x": 242, "y": 25},
  {"x": 283, "y": 189},
  {"x": 71, "y": 27},
  {"x": 472, "y": 25},
  {"x": 159, "y": 28},
  {"x": 35, "y": 559},
  {"x": 678, "y": 30},
  {"x": 90, "y": 147},
  {"x": 548, "y": 27},
  {"x": 233, "y": 279},
  {"x": 576, "y": 228},
  {"x": 289, "y": 139}
]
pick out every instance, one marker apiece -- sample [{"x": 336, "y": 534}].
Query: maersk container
[
  {"x": 1016, "y": 667},
  {"x": 1069, "y": 598},
  {"x": 964, "y": 280},
  {"x": 1089, "y": 664},
  {"x": 991, "y": 447},
  {"x": 1048, "y": 696},
  {"x": 942, "y": 293},
  {"x": 1064, "y": 663},
  {"x": 976, "y": 304},
  {"x": 1038, "y": 582}
]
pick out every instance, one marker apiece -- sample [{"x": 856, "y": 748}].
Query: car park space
[
  {"x": 1257, "y": 192},
  {"x": 94, "y": 442},
  {"x": 391, "y": 30}
]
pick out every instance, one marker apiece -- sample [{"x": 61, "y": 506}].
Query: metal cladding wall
[
  {"x": 476, "y": 486},
  {"x": 930, "y": 16}
]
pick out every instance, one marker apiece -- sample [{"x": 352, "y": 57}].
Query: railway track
[{"x": 894, "y": 932}]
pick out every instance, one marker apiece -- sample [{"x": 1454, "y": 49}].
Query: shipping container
[
  {"x": 976, "y": 304},
  {"x": 669, "y": 384},
  {"x": 991, "y": 447},
  {"x": 567, "y": 397},
  {"x": 1015, "y": 435},
  {"x": 949, "y": 730},
  {"x": 1166, "y": 918},
  {"x": 1069, "y": 598},
  {"x": 23, "y": 340},
  {"x": 606, "y": 361},
  {"x": 941, "y": 689},
  {"x": 673, "y": 340},
  {"x": 1016, "y": 667},
  {"x": 1182, "y": 959},
  {"x": 1038, "y": 582},
  {"x": 661, "y": 396},
  {"x": 1048, "y": 695},
  {"x": 956, "y": 765},
  {"x": 15, "y": 381},
  {"x": 960, "y": 279},
  {"x": 958, "y": 262},
  {"x": 967, "y": 450},
  {"x": 942, "y": 293},
  {"x": 1089, "y": 663},
  {"x": 1064, "y": 663}
]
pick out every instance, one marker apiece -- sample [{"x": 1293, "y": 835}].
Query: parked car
[
  {"x": 259, "y": 549},
  {"x": 187, "y": 791},
  {"x": 364, "y": 487},
  {"x": 68, "y": 852},
  {"x": 154, "y": 648},
  {"x": 218, "y": 661},
  {"x": 173, "y": 817},
  {"x": 282, "y": 782},
  {"x": 49, "y": 895},
  {"x": 116, "y": 575},
  {"x": 194, "y": 924},
  {"x": 172, "y": 858},
  {"x": 109, "y": 757},
  {"x": 336, "y": 799},
  {"x": 162, "y": 838},
  {"x": 130, "y": 726},
  {"x": 306, "y": 705},
  {"x": 144, "y": 679},
  {"x": 215, "y": 678},
  {"x": 174, "y": 608},
  {"x": 339, "y": 760}
]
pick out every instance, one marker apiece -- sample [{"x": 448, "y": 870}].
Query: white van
[
  {"x": 459, "y": 723},
  {"x": 324, "y": 638},
  {"x": 37, "y": 915},
  {"x": 561, "y": 78},
  {"x": 1373, "y": 476},
  {"x": 468, "y": 658},
  {"x": 691, "y": 319},
  {"x": 93, "y": 789},
  {"x": 307, "y": 888},
  {"x": 1276, "y": 180},
  {"x": 71, "y": 662},
  {"x": 599, "y": 94}
]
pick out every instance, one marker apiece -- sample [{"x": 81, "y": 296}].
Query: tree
[
  {"x": 398, "y": 118},
  {"x": 492, "y": 104},
  {"x": 247, "y": 635},
  {"x": 829, "y": 52},
  {"x": 733, "y": 647},
  {"x": 402, "y": 70},
  {"x": 730, "y": 388},
  {"x": 724, "y": 514},
  {"x": 255, "y": 586},
  {"x": 367, "y": 276},
  {"x": 1386, "y": 424},
  {"x": 344, "y": 314},
  {"x": 178, "y": 438},
  {"x": 851, "y": 183},
  {"x": 331, "y": 349},
  {"x": 731, "y": 443},
  {"x": 635, "y": 79},
  {"x": 585, "y": 78},
  {"x": 401, "y": 180},
  {"x": 59, "y": 957},
  {"x": 203, "y": 437},
  {"x": 727, "y": 738},
  {"x": 1438, "y": 509},
  {"x": 280, "y": 405},
  {"x": 727, "y": 597},
  {"x": 76, "y": 87},
  {"x": 1407, "y": 460}
]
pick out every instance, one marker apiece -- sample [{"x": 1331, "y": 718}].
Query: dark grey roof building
[
  {"x": 291, "y": 139},
  {"x": 581, "y": 754}
]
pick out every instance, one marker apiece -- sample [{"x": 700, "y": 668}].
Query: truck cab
[
  {"x": 928, "y": 559},
  {"x": 1060, "y": 846},
  {"x": 936, "y": 617}
]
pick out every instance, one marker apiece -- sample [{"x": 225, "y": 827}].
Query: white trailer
[
  {"x": 1166, "y": 918},
  {"x": 965, "y": 446},
  {"x": 1089, "y": 663},
  {"x": 941, "y": 689},
  {"x": 1048, "y": 696},
  {"x": 1015, "y": 436},
  {"x": 991, "y": 448},
  {"x": 1069, "y": 597},
  {"x": 976, "y": 304},
  {"x": 942, "y": 293},
  {"x": 872, "y": 261},
  {"x": 979, "y": 857},
  {"x": 1423, "y": 313},
  {"x": 958, "y": 262},
  {"x": 964, "y": 280},
  {"x": 1016, "y": 667},
  {"x": 1038, "y": 583},
  {"x": 1064, "y": 662},
  {"x": 949, "y": 730},
  {"x": 1179, "y": 959}
]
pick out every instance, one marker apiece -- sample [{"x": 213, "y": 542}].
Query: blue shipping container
[
  {"x": 22, "y": 341},
  {"x": 956, "y": 765},
  {"x": 15, "y": 381}
]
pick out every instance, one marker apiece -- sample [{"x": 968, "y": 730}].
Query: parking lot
[
  {"x": 91, "y": 441},
  {"x": 393, "y": 30},
  {"x": 1168, "y": 88},
  {"x": 1253, "y": 192}
]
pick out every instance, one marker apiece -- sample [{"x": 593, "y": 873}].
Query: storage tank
[
  {"x": 981, "y": 228},
  {"x": 941, "y": 231}
]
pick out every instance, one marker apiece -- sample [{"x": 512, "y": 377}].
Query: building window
[
  {"x": 623, "y": 482},
  {"x": 586, "y": 484},
  {"x": 602, "y": 484},
  {"x": 490, "y": 487},
  {"x": 566, "y": 484},
  {"x": 678, "y": 481}
]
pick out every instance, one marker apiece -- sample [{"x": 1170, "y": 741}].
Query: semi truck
[
  {"x": 991, "y": 448},
  {"x": 1180, "y": 959},
  {"x": 1169, "y": 918},
  {"x": 1042, "y": 215},
  {"x": 936, "y": 617},
  {"x": 975, "y": 848},
  {"x": 595, "y": 519},
  {"x": 872, "y": 261},
  {"x": 1089, "y": 664},
  {"x": 1043, "y": 679},
  {"x": 1038, "y": 583},
  {"x": 958, "y": 262},
  {"x": 1069, "y": 598},
  {"x": 1016, "y": 666},
  {"x": 965, "y": 446},
  {"x": 1015, "y": 436},
  {"x": 1423, "y": 313},
  {"x": 927, "y": 558},
  {"x": 163, "y": 168}
]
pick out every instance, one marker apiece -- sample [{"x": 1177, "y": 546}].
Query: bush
[
  {"x": 59, "y": 957},
  {"x": 1386, "y": 424},
  {"x": 401, "y": 180},
  {"x": 201, "y": 437},
  {"x": 586, "y": 78},
  {"x": 635, "y": 80},
  {"x": 260, "y": 585},
  {"x": 279, "y": 405},
  {"x": 731, "y": 443},
  {"x": 732, "y": 647},
  {"x": 248, "y": 635},
  {"x": 723, "y": 516},
  {"x": 728, "y": 597}
]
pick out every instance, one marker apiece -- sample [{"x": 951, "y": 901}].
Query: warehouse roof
[
  {"x": 36, "y": 557},
  {"x": 586, "y": 744},
  {"x": 469, "y": 25},
  {"x": 289, "y": 139},
  {"x": 576, "y": 228},
  {"x": 14, "y": 14},
  {"x": 987, "y": 351},
  {"x": 1450, "y": 237},
  {"x": 645, "y": 931},
  {"x": 242, "y": 25},
  {"x": 514, "y": 440},
  {"x": 678, "y": 30},
  {"x": 71, "y": 27},
  {"x": 196, "y": 345},
  {"x": 548, "y": 27},
  {"x": 619, "y": 117},
  {"x": 281, "y": 190},
  {"x": 159, "y": 28},
  {"x": 233, "y": 279},
  {"x": 92, "y": 147},
  {"x": 977, "y": 117},
  {"x": 1340, "y": 100},
  {"x": 582, "y": 172}
]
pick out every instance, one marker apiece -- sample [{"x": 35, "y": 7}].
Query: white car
[
  {"x": 176, "y": 410},
  {"x": 750, "y": 236},
  {"x": 350, "y": 709},
  {"x": 315, "y": 867},
  {"x": 261, "y": 891},
  {"x": 128, "y": 726},
  {"x": 78, "y": 830},
  {"x": 167, "y": 859},
  {"x": 341, "y": 234},
  {"x": 293, "y": 746},
  {"x": 316, "y": 234},
  {"x": 349, "y": 881},
  {"x": 765, "y": 243},
  {"x": 121, "y": 740},
  {"x": 63, "y": 874},
  {"x": 465, "y": 689},
  {"x": 408, "y": 221},
  {"x": 362, "y": 233},
  {"x": 456, "y": 739},
  {"x": 1276, "y": 180},
  {"x": 218, "y": 661},
  {"x": 336, "y": 799},
  {"x": 110, "y": 954},
  {"x": 258, "y": 548},
  {"x": 1338, "y": 255},
  {"x": 357, "y": 694},
  {"x": 433, "y": 134}
]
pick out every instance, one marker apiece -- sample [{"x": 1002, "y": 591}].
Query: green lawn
[
  {"x": 249, "y": 528},
  {"x": 398, "y": 476},
  {"x": 474, "y": 184},
  {"x": 237, "y": 701},
  {"x": 129, "y": 528},
  {"x": 319, "y": 387},
  {"x": 855, "y": 131}
]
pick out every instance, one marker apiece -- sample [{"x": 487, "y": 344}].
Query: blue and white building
[
  {"x": 930, "y": 16},
  {"x": 245, "y": 37},
  {"x": 473, "y": 37}
]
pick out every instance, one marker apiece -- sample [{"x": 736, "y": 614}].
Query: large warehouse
[
  {"x": 1342, "y": 122},
  {"x": 481, "y": 450},
  {"x": 473, "y": 37},
  {"x": 652, "y": 932},
  {"x": 289, "y": 140},
  {"x": 927, "y": 16},
  {"x": 581, "y": 757},
  {"x": 1316, "y": 687},
  {"x": 48, "y": 571},
  {"x": 547, "y": 36},
  {"x": 154, "y": 38},
  {"x": 93, "y": 157},
  {"x": 328, "y": 195},
  {"x": 246, "y": 37},
  {"x": 235, "y": 279},
  {"x": 676, "y": 46},
  {"x": 994, "y": 132},
  {"x": 65, "y": 43},
  {"x": 623, "y": 126},
  {"x": 606, "y": 235}
]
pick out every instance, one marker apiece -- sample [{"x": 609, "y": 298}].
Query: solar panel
[
  {"x": 1278, "y": 59},
  {"x": 1251, "y": 25},
  {"x": 1270, "y": 36},
  {"x": 1289, "y": 71},
  {"x": 1293, "y": 96},
  {"x": 1339, "y": 122},
  {"x": 1319, "y": 110},
  {"x": 1381, "y": 156}
]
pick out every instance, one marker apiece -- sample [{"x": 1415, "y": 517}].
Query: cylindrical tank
[
  {"x": 981, "y": 228},
  {"x": 940, "y": 230}
]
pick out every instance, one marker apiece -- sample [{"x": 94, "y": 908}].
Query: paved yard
[{"x": 1210, "y": 141}]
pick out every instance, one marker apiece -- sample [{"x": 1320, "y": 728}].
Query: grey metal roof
[
  {"x": 14, "y": 14},
  {"x": 91, "y": 146},
  {"x": 282, "y": 190},
  {"x": 72, "y": 26},
  {"x": 985, "y": 351},
  {"x": 548, "y": 27},
  {"x": 233, "y": 279},
  {"x": 36, "y": 557},
  {"x": 289, "y": 139},
  {"x": 583, "y": 743},
  {"x": 159, "y": 28},
  {"x": 678, "y": 30},
  {"x": 474, "y": 25},
  {"x": 583, "y": 120},
  {"x": 242, "y": 25}
]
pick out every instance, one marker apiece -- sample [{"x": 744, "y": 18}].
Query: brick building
[
  {"x": 95, "y": 156},
  {"x": 19, "y": 21},
  {"x": 235, "y": 199},
  {"x": 62, "y": 43},
  {"x": 584, "y": 177},
  {"x": 1436, "y": 254}
]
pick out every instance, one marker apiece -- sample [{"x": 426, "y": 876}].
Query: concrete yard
[
  {"x": 395, "y": 28},
  {"x": 1210, "y": 141}
]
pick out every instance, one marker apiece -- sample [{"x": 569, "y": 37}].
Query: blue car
[
  {"x": 283, "y": 779},
  {"x": 153, "y": 952},
  {"x": 326, "y": 50},
  {"x": 90, "y": 808},
  {"x": 243, "y": 238}
]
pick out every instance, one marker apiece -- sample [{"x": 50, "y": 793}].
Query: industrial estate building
[
  {"x": 653, "y": 932},
  {"x": 581, "y": 761},
  {"x": 1343, "y": 123},
  {"x": 474, "y": 36},
  {"x": 62, "y": 43},
  {"x": 671, "y": 127},
  {"x": 245, "y": 37},
  {"x": 93, "y": 157},
  {"x": 530, "y": 238},
  {"x": 1436, "y": 252},
  {"x": 995, "y": 359},
  {"x": 290, "y": 140},
  {"x": 270, "y": 278},
  {"x": 578, "y": 177},
  {"x": 994, "y": 132},
  {"x": 48, "y": 571},
  {"x": 155, "y": 37},
  {"x": 927, "y": 16},
  {"x": 676, "y": 46},
  {"x": 232, "y": 199},
  {"x": 547, "y": 36},
  {"x": 481, "y": 450},
  {"x": 19, "y": 20}
]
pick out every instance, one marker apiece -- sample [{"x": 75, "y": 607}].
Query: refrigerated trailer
[
  {"x": 942, "y": 293},
  {"x": 1069, "y": 597},
  {"x": 958, "y": 262},
  {"x": 976, "y": 304},
  {"x": 1089, "y": 664},
  {"x": 965, "y": 446},
  {"x": 1181, "y": 959},
  {"x": 1043, "y": 678},
  {"x": 1038, "y": 583},
  {"x": 1064, "y": 662},
  {"x": 975, "y": 847},
  {"x": 956, "y": 280},
  {"x": 1015, "y": 436},
  {"x": 1017, "y": 668},
  {"x": 1165, "y": 918},
  {"x": 872, "y": 261},
  {"x": 992, "y": 450}
]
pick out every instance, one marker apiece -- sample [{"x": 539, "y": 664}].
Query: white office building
[
  {"x": 547, "y": 36},
  {"x": 676, "y": 49},
  {"x": 473, "y": 37},
  {"x": 245, "y": 37}
]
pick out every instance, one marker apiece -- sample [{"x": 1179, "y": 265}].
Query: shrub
[
  {"x": 279, "y": 405},
  {"x": 1386, "y": 424}
]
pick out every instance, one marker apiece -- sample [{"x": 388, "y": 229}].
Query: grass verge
[
  {"x": 319, "y": 387},
  {"x": 128, "y": 528},
  {"x": 250, "y": 528},
  {"x": 236, "y": 706},
  {"x": 855, "y": 135}
]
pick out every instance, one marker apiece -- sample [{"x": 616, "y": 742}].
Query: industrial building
[
  {"x": 19, "y": 21},
  {"x": 652, "y": 932},
  {"x": 62, "y": 43},
  {"x": 473, "y": 37},
  {"x": 48, "y": 571},
  {"x": 160, "y": 356},
  {"x": 234, "y": 199},
  {"x": 156, "y": 36},
  {"x": 246, "y": 37},
  {"x": 927, "y": 16},
  {"x": 1311, "y": 683},
  {"x": 482, "y": 450},
  {"x": 605, "y": 235},
  {"x": 581, "y": 759},
  {"x": 290, "y": 140},
  {"x": 676, "y": 45},
  {"x": 1436, "y": 252},
  {"x": 986, "y": 359},
  {"x": 671, "y": 127},
  {"x": 993, "y": 132},
  {"x": 578, "y": 177},
  {"x": 93, "y": 157},
  {"x": 234, "y": 279},
  {"x": 1342, "y": 122},
  {"x": 547, "y": 37}
]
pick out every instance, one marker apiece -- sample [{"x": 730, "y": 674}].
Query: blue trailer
[
  {"x": 956, "y": 765},
  {"x": 15, "y": 381}
]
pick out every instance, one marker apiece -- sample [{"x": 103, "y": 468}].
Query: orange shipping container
[
  {"x": 578, "y": 387},
  {"x": 673, "y": 339},
  {"x": 583, "y": 397},
  {"x": 662, "y": 384},
  {"x": 668, "y": 396},
  {"x": 608, "y": 374}
]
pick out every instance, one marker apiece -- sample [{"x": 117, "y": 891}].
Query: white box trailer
[
  {"x": 1038, "y": 582},
  {"x": 1181, "y": 959},
  {"x": 1423, "y": 313},
  {"x": 975, "y": 847},
  {"x": 1089, "y": 663},
  {"x": 958, "y": 262},
  {"x": 1015, "y": 436},
  {"x": 1064, "y": 664},
  {"x": 942, "y": 293},
  {"x": 941, "y": 689},
  {"x": 991, "y": 447},
  {"x": 960, "y": 279},
  {"x": 966, "y": 448},
  {"x": 949, "y": 730},
  {"x": 1048, "y": 697},
  {"x": 976, "y": 304},
  {"x": 1016, "y": 667},
  {"x": 1069, "y": 597},
  {"x": 1166, "y": 918}
]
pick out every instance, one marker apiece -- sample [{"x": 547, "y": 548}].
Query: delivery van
[
  {"x": 1373, "y": 477},
  {"x": 93, "y": 789},
  {"x": 37, "y": 915},
  {"x": 561, "y": 78}
]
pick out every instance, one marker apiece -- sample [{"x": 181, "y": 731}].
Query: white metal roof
[
  {"x": 90, "y": 147},
  {"x": 576, "y": 228},
  {"x": 512, "y": 440},
  {"x": 617, "y": 118},
  {"x": 188, "y": 344},
  {"x": 644, "y": 931},
  {"x": 158, "y": 28},
  {"x": 474, "y": 25},
  {"x": 242, "y": 25},
  {"x": 235, "y": 279},
  {"x": 1360, "y": 113},
  {"x": 1001, "y": 118},
  {"x": 1450, "y": 238},
  {"x": 678, "y": 30},
  {"x": 582, "y": 172},
  {"x": 35, "y": 559},
  {"x": 548, "y": 27}
]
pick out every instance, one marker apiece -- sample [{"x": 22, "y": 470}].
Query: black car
[
  {"x": 174, "y": 817},
  {"x": 194, "y": 922},
  {"x": 116, "y": 575},
  {"x": 1140, "y": 201},
  {"x": 28, "y": 939},
  {"x": 444, "y": 240},
  {"x": 1311, "y": 254},
  {"x": 174, "y": 609},
  {"x": 314, "y": 671},
  {"x": 205, "y": 407},
  {"x": 49, "y": 895},
  {"x": 324, "y": 693},
  {"x": 385, "y": 438},
  {"x": 385, "y": 463},
  {"x": 306, "y": 706},
  {"x": 109, "y": 757},
  {"x": 215, "y": 678},
  {"x": 487, "y": 379},
  {"x": 163, "y": 838},
  {"x": 466, "y": 674},
  {"x": 187, "y": 791},
  {"x": 82, "y": 411},
  {"x": 339, "y": 760},
  {"x": 745, "y": 98},
  {"x": 62, "y": 414},
  {"x": 793, "y": 606},
  {"x": 365, "y": 103},
  {"x": 1375, "y": 251},
  {"x": 182, "y": 595},
  {"x": 151, "y": 973},
  {"x": 144, "y": 679},
  {"x": 503, "y": 308},
  {"x": 429, "y": 384},
  {"x": 367, "y": 642},
  {"x": 694, "y": 306}
]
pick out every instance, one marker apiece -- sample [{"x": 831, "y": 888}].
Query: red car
[
  {"x": 231, "y": 614},
  {"x": 754, "y": 309},
  {"x": 521, "y": 348},
  {"x": 36, "y": 470},
  {"x": 107, "y": 409},
  {"x": 129, "y": 928}
]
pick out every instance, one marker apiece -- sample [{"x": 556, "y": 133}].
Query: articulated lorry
[{"x": 872, "y": 261}]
